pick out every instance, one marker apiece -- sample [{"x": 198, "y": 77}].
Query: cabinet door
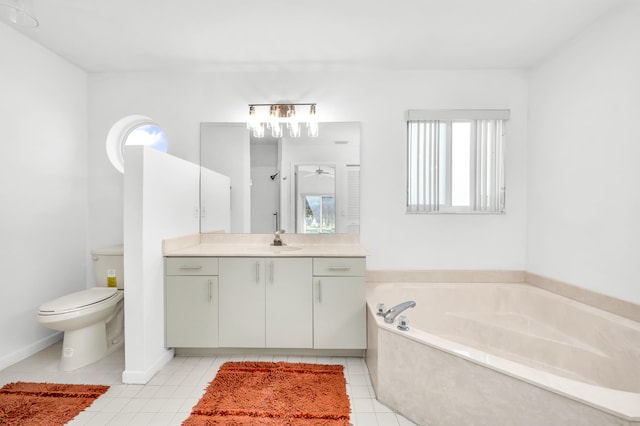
[
  {"x": 242, "y": 302},
  {"x": 191, "y": 311},
  {"x": 339, "y": 310},
  {"x": 289, "y": 310}
]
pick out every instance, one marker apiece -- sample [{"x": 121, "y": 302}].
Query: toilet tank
[{"x": 108, "y": 258}]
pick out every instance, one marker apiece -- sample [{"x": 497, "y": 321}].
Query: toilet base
[
  {"x": 89, "y": 344},
  {"x": 83, "y": 347}
]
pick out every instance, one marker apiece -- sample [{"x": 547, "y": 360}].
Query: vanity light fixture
[
  {"x": 280, "y": 115},
  {"x": 18, "y": 12}
]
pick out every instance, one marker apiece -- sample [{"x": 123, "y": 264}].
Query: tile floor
[{"x": 169, "y": 396}]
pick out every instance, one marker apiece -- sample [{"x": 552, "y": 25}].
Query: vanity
[{"x": 238, "y": 291}]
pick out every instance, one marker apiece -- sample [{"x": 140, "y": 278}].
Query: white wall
[
  {"x": 43, "y": 189},
  {"x": 180, "y": 101},
  {"x": 583, "y": 159},
  {"x": 159, "y": 194}
]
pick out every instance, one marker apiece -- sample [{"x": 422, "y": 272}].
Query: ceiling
[{"x": 281, "y": 35}]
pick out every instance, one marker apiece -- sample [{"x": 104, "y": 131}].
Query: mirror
[{"x": 301, "y": 185}]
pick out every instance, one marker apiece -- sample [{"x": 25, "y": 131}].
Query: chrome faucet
[
  {"x": 392, "y": 313},
  {"x": 277, "y": 241}
]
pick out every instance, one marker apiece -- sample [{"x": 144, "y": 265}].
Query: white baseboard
[
  {"x": 27, "y": 351},
  {"x": 141, "y": 377}
]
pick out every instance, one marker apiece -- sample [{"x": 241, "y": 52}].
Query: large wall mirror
[{"x": 301, "y": 185}]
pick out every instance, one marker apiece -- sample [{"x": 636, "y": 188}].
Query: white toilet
[{"x": 93, "y": 319}]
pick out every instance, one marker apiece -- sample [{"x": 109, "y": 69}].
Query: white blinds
[
  {"x": 489, "y": 175},
  {"x": 353, "y": 199},
  {"x": 423, "y": 180},
  {"x": 430, "y": 163}
]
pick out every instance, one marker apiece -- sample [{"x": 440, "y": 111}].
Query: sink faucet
[
  {"x": 392, "y": 313},
  {"x": 277, "y": 241}
]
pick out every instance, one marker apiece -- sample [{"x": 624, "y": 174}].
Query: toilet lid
[{"x": 79, "y": 299}]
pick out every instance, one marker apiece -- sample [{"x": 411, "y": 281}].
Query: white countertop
[{"x": 260, "y": 245}]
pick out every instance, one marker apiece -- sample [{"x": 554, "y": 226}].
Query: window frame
[
  {"x": 449, "y": 117},
  {"x": 118, "y": 135}
]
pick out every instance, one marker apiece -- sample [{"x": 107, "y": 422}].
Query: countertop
[{"x": 260, "y": 245}]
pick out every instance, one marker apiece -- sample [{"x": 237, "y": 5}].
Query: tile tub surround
[
  {"x": 458, "y": 382},
  {"x": 232, "y": 245}
]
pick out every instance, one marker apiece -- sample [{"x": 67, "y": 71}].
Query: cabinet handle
[
  {"x": 257, "y": 272},
  {"x": 339, "y": 268},
  {"x": 319, "y": 291},
  {"x": 271, "y": 271},
  {"x": 191, "y": 267},
  {"x": 210, "y": 291}
]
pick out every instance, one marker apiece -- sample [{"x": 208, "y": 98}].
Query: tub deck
[{"x": 557, "y": 347}]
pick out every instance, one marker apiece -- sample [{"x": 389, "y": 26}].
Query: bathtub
[{"x": 502, "y": 354}]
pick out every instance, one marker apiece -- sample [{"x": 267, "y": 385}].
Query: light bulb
[
  {"x": 294, "y": 129},
  {"x": 312, "y": 129},
  {"x": 258, "y": 130},
  {"x": 312, "y": 124}
]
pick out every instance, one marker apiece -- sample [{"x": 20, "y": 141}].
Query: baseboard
[
  {"x": 205, "y": 352},
  {"x": 27, "y": 351},
  {"x": 142, "y": 377}
]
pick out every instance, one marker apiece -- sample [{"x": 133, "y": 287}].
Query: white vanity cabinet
[
  {"x": 191, "y": 302},
  {"x": 265, "y": 302},
  {"x": 339, "y": 305}
]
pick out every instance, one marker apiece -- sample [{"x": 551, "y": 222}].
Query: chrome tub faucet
[{"x": 392, "y": 313}]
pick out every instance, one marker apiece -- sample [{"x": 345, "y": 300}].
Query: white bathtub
[{"x": 503, "y": 354}]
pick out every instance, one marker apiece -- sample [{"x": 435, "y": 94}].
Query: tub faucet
[{"x": 392, "y": 313}]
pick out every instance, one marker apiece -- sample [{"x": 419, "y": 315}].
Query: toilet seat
[{"x": 79, "y": 300}]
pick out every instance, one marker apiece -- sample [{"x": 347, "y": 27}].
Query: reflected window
[{"x": 320, "y": 214}]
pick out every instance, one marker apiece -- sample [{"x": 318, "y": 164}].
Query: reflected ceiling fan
[{"x": 319, "y": 171}]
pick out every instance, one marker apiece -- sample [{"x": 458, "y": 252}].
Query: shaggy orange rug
[
  {"x": 50, "y": 404},
  {"x": 268, "y": 393}
]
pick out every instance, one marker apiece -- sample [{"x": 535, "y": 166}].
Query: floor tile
[{"x": 172, "y": 393}]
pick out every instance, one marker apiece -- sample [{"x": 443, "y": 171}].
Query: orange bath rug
[
  {"x": 50, "y": 404},
  {"x": 274, "y": 393}
]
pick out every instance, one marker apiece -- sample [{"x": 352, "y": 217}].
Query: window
[
  {"x": 133, "y": 130},
  {"x": 320, "y": 214},
  {"x": 455, "y": 161}
]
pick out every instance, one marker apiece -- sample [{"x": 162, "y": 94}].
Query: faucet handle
[{"x": 403, "y": 323}]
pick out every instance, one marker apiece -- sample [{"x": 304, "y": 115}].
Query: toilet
[{"x": 92, "y": 319}]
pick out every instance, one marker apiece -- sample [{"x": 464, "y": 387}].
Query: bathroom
[{"x": 571, "y": 203}]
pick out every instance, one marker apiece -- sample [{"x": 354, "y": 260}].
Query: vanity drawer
[
  {"x": 192, "y": 266},
  {"x": 339, "y": 266}
]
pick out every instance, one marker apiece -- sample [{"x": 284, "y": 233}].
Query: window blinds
[{"x": 429, "y": 161}]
